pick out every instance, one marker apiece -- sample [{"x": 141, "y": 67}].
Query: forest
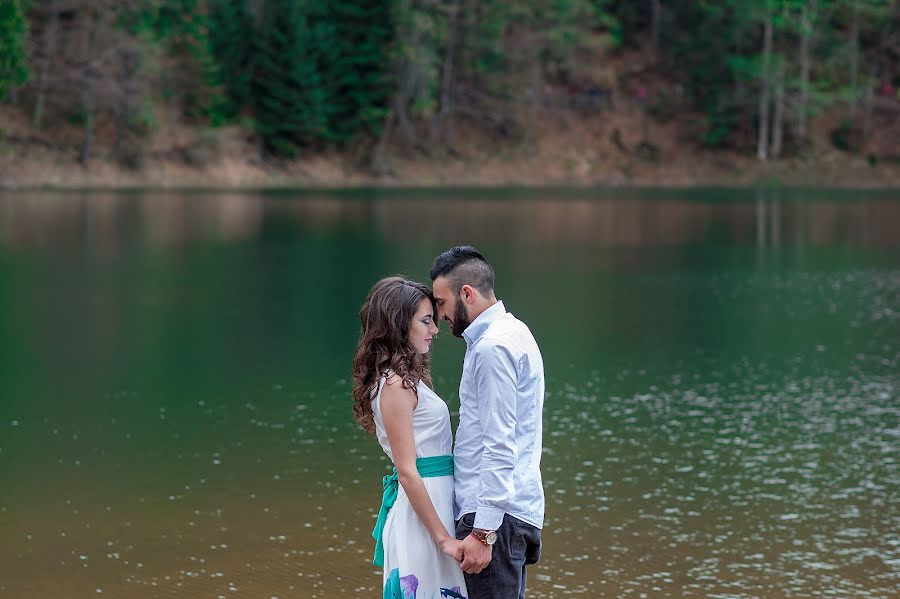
[{"x": 431, "y": 79}]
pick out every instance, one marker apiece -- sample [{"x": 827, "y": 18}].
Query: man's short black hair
[{"x": 464, "y": 265}]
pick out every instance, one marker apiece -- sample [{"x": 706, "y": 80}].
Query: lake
[{"x": 722, "y": 415}]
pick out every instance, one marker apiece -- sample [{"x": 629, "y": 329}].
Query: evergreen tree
[
  {"x": 355, "y": 38},
  {"x": 289, "y": 101},
  {"x": 232, "y": 32},
  {"x": 13, "y": 62}
]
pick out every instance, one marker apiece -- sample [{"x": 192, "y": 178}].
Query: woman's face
[{"x": 423, "y": 329}]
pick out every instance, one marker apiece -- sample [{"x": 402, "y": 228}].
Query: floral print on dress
[{"x": 406, "y": 587}]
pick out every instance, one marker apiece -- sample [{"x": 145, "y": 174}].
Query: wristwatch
[{"x": 488, "y": 537}]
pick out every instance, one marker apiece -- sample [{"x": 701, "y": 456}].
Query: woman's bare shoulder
[{"x": 395, "y": 391}]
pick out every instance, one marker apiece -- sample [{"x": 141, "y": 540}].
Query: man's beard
[{"x": 460, "y": 320}]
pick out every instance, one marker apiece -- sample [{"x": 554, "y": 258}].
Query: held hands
[
  {"x": 471, "y": 554},
  {"x": 451, "y": 547},
  {"x": 476, "y": 555}
]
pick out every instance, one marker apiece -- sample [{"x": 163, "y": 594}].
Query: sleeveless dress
[{"x": 411, "y": 558}]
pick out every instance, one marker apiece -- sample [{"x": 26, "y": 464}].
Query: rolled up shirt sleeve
[{"x": 495, "y": 384}]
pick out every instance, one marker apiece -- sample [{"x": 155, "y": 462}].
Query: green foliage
[
  {"x": 486, "y": 25},
  {"x": 506, "y": 43},
  {"x": 288, "y": 93},
  {"x": 603, "y": 17},
  {"x": 13, "y": 61},
  {"x": 421, "y": 36},
  {"x": 704, "y": 44},
  {"x": 628, "y": 17},
  {"x": 182, "y": 29},
  {"x": 232, "y": 31},
  {"x": 719, "y": 126},
  {"x": 355, "y": 38},
  {"x": 319, "y": 72},
  {"x": 718, "y": 48},
  {"x": 564, "y": 22}
]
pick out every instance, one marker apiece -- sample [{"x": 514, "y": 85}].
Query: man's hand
[{"x": 476, "y": 555}]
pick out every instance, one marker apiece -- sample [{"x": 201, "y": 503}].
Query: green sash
[{"x": 439, "y": 465}]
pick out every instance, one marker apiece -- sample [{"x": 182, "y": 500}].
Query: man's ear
[{"x": 467, "y": 294}]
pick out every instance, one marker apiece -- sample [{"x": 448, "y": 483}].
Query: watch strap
[{"x": 488, "y": 537}]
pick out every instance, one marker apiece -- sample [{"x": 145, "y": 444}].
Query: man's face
[{"x": 450, "y": 306}]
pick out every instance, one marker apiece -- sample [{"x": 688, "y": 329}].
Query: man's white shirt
[{"x": 497, "y": 455}]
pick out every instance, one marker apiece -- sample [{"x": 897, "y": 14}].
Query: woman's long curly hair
[{"x": 385, "y": 319}]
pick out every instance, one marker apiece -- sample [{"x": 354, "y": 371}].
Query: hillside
[{"x": 598, "y": 93}]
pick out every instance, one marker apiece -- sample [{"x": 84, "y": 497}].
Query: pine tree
[
  {"x": 355, "y": 37},
  {"x": 13, "y": 62},
  {"x": 289, "y": 102},
  {"x": 232, "y": 31}
]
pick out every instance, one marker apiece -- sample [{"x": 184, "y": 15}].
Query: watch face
[{"x": 490, "y": 538}]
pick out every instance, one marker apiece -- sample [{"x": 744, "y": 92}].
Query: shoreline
[
  {"x": 415, "y": 187},
  {"x": 281, "y": 183},
  {"x": 23, "y": 168},
  {"x": 582, "y": 155}
]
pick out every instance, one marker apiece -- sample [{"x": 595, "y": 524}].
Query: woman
[{"x": 393, "y": 400}]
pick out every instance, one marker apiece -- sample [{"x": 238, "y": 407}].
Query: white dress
[{"x": 410, "y": 554}]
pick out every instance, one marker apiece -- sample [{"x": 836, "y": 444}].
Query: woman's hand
[{"x": 451, "y": 547}]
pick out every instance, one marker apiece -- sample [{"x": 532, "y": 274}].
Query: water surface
[{"x": 721, "y": 416}]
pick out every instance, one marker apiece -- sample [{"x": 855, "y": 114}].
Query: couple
[{"x": 466, "y": 524}]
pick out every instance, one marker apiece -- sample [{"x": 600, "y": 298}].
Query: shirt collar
[{"x": 478, "y": 326}]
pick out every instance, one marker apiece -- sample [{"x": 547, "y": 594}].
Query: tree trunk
[
  {"x": 854, "y": 59},
  {"x": 49, "y": 48},
  {"x": 379, "y": 162},
  {"x": 778, "y": 117},
  {"x": 806, "y": 34},
  {"x": 763, "y": 135}
]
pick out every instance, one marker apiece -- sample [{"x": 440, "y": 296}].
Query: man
[{"x": 499, "y": 494}]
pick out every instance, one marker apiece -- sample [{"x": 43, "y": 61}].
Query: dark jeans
[{"x": 518, "y": 544}]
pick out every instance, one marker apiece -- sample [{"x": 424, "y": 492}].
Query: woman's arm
[{"x": 397, "y": 405}]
